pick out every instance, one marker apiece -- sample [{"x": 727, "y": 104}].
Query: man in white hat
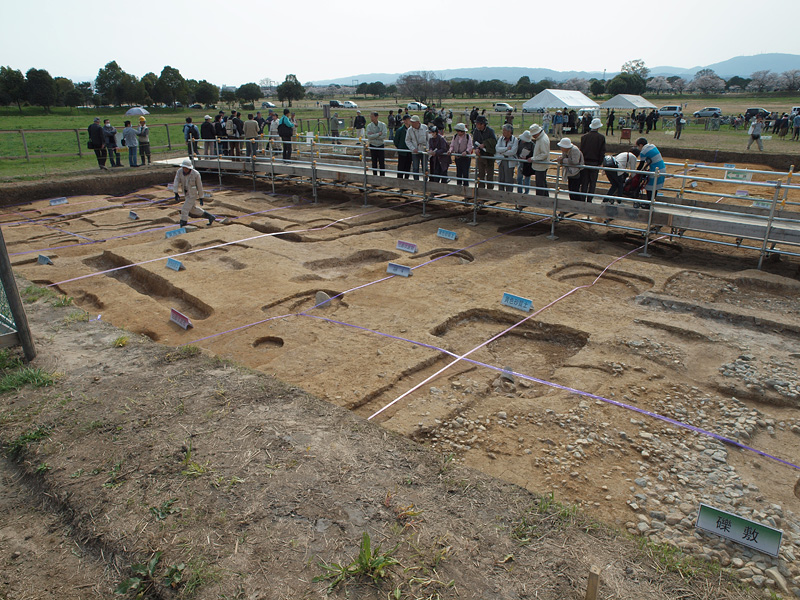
[
  {"x": 359, "y": 125},
  {"x": 572, "y": 160},
  {"x": 188, "y": 181},
  {"x": 540, "y": 158},
  {"x": 417, "y": 143},
  {"x": 593, "y": 147}
]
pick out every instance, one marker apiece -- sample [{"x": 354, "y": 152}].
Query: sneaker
[{"x": 103, "y": 168}]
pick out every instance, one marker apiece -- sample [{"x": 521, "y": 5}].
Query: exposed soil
[{"x": 268, "y": 479}]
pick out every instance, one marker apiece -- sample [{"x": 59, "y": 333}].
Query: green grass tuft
[
  {"x": 32, "y": 293},
  {"x": 33, "y": 376},
  {"x": 370, "y": 563},
  {"x": 15, "y": 448}
]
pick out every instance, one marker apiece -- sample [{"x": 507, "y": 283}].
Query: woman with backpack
[{"x": 286, "y": 128}]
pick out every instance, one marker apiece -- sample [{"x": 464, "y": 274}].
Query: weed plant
[{"x": 370, "y": 562}]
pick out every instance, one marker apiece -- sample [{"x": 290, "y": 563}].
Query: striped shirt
[{"x": 652, "y": 156}]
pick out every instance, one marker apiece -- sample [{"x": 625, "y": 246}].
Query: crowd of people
[{"x": 103, "y": 140}]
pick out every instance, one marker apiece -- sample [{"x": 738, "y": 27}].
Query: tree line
[{"x": 114, "y": 87}]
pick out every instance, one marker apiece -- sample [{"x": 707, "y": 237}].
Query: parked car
[
  {"x": 336, "y": 104},
  {"x": 753, "y": 112},
  {"x": 414, "y": 105},
  {"x": 502, "y": 107},
  {"x": 708, "y": 111},
  {"x": 671, "y": 110},
  {"x": 267, "y": 105},
  {"x": 349, "y": 104},
  {"x": 532, "y": 110}
]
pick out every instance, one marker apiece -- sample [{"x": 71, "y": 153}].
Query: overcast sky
[{"x": 326, "y": 39}]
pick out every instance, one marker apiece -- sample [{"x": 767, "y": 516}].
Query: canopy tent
[
  {"x": 627, "y": 102},
  {"x": 559, "y": 99}
]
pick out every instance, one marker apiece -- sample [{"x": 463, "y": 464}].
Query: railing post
[
  {"x": 272, "y": 164},
  {"x": 364, "y": 165},
  {"x": 768, "y": 230},
  {"x": 683, "y": 181},
  {"x": 425, "y": 173},
  {"x": 554, "y": 218},
  {"x": 169, "y": 142},
  {"x": 253, "y": 161},
  {"x": 15, "y": 304},
  {"x": 78, "y": 137},
  {"x": 788, "y": 183},
  {"x": 25, "y": 144},
  {"x": 313, "y": 171},
  {"x": 650, "y": 214},
  {"x": 219, "y": 163}
]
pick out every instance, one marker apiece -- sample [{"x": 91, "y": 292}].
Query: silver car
[{"x": 708, "y": 111}]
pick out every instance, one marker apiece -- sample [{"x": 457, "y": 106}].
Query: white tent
[
  {"x": 627, "y": 102},
  {"x": 568, "y": 99}
]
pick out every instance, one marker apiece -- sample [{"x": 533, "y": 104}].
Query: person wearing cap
[
  {"x": 335, "y": 128},
  {"x": 650, "y": 157},
  {"x": 130, "y": 140},
  {"x": 376, "y": 137},
  {"x": 359, "y": 123},
  {"x": 208, "y": 135},
  {"x": 188, "y": 181},
  {"x": 143, "y": 133},
  {"x": 439, "y": 157},
  {"x": 572, "y": 160},
  {"x": 461, "y": 149},
  {"x": 623, "y": 160},
  {"x": 391, "y": 123},
  {"x": 250, "y": 134},
  {"x": 485, "y": 142},
  {"x": 558, "y": 124},
  {"x": 97, "y": 142},
  {"x": 403, "y": 153},
  {"x": 417, "y": 142},
  {"x": 593, "y": 146},
  {"x": 547, "y": 120},
  {"x": 506, "y": 152},
  {"x": 110, "y": 133},
  {"x": 541, "y": 159}
]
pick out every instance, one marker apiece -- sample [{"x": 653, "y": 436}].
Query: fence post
[
  {"x": 25, "y": 145},
  {"x": 554, "y": 218},
  {"x": 313, "y": 171},
  {"x": 788, "y": 183},
  {"x": 169, "y": 143},
  {"x": 775, "y": 198},
  {"x": 425, "y": 174},
  {"x": 364, "y": 165},
  {"x": 650, "y": 213},
  {"x": 14, "y": 302},
  {"x": 78, "y": 137}
]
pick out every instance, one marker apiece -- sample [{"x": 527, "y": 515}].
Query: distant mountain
[{"x": 743, "y": 66}]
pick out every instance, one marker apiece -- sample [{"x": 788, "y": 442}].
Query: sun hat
[
  {"x": 187, "y": 162},
  {"x": 415, "y": 119},
  {"x": 565, "y": 143},
  {"x": 207, "y": 118},
  {"x": 558, "y": 111},
  {"x": 460, "y": 127},
  {"x": 525, "y": 136},
  {"x": 481, "y": 119},
  {"x": 97, "y": 119},
  {"x": 535, "y": 129},
  {"x": 358, "y": 111},
  {"x": 595, "y": 124}
]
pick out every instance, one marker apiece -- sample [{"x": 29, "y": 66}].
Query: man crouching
[{"x": 188, "y": 180}]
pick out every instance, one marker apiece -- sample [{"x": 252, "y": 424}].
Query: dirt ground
[{"x": 266, "y": 480}]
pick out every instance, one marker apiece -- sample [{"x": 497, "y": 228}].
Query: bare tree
[
  {"x": 636, "y": 67},
  {"x": 678, "y": 83},
  {"x": 762, "y": 81},
  {"x": 421, "y": 85},
  {"x": 577, "y": 83},
  {"x": 659, "y": 84},
  {"x": 790, "y": 80},
  {"x": 706, "y": 84}
]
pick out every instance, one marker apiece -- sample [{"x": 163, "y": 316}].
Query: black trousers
[
  {"x": 574, "y": 185},
  {"x": 403, "y": 164},
  {"x": 462, "y": 170},
  {"x": 617, "y": 181},
  {"x": 287, "y": 148},
  {"x": 101, "y": 154},
  {"x": 541, "y": 182},
  {"x": 378, "y": 155},
  {"x": 588, "y": 182}
]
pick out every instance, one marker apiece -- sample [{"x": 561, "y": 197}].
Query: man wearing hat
[
  {"x": 417, "y": 143},
  {"x": 403, "y": 154},
  {"x": 188, "y": 181},
  {"x": 97, "y": 142},
  {"x": 485, "y": 142},
  {"x": 207, "y": 134},
  {"x": 572, "y": 160},
  {"x": 461, "y": 148},
  {"x": 143, "y": 133},
  {"x": 540, "y": 158},
  {"x": 593, "y": 147},
  {"x": 359, "y": 123}
]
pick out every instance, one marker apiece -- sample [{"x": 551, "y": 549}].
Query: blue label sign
[
  {"x": 395, "y": 269},
  {"x": 741, "y": 192},
  {"x": 58, "y": 201},
  {"x": 762, "y": 204},
  {"x": 446, "y": 234},
  {"x": 729, "y": 166},
  {"x": 174, "y": 264},
  {"x": 180, "y": 318},
  {"x": 207, "y": 195},
  {"x": 133, "y": 216},
  {"x": 173, "y": 232},
  {"x": 516, "y": 302},
  {"x": 44, "y": 260},
  {"x": 406, "y": 246}
]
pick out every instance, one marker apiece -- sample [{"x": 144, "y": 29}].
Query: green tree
[
  {"x": 228, "y": 97},
  {"x": 377, "y": 88},
  {"x": 626, "y": 83},
  {"x": 597, "y": 87},
  {"x": 63, "y": 87},
  {"x": 73, "y": 98},
  {"x": 109, "y": 81},
  {"x": 636, "y": 67},
  {"x": 362, "y": 89},
  {"x": 249, "y": 92},
  {"x": 41, "y": 88},
  {"x": 736, "y": 81},
  {"x": 206, "y": 93},
  {"x": 12, "y": 86},
  {"x": 150, "y": 80},
  {"x": 523, "y": 86},
  {"x": 290, "y": 89},
  {"x": 170, "y": 86},
  {"x": 86, "y": 91}
]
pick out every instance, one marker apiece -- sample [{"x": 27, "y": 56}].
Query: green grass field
[{"x": 44, "y": 145}]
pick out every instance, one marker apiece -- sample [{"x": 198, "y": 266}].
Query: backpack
[
  {"x": 230, "y": 128},
  {"x": 609, "y": 162},
  {"x": 284, "y": 130}
]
